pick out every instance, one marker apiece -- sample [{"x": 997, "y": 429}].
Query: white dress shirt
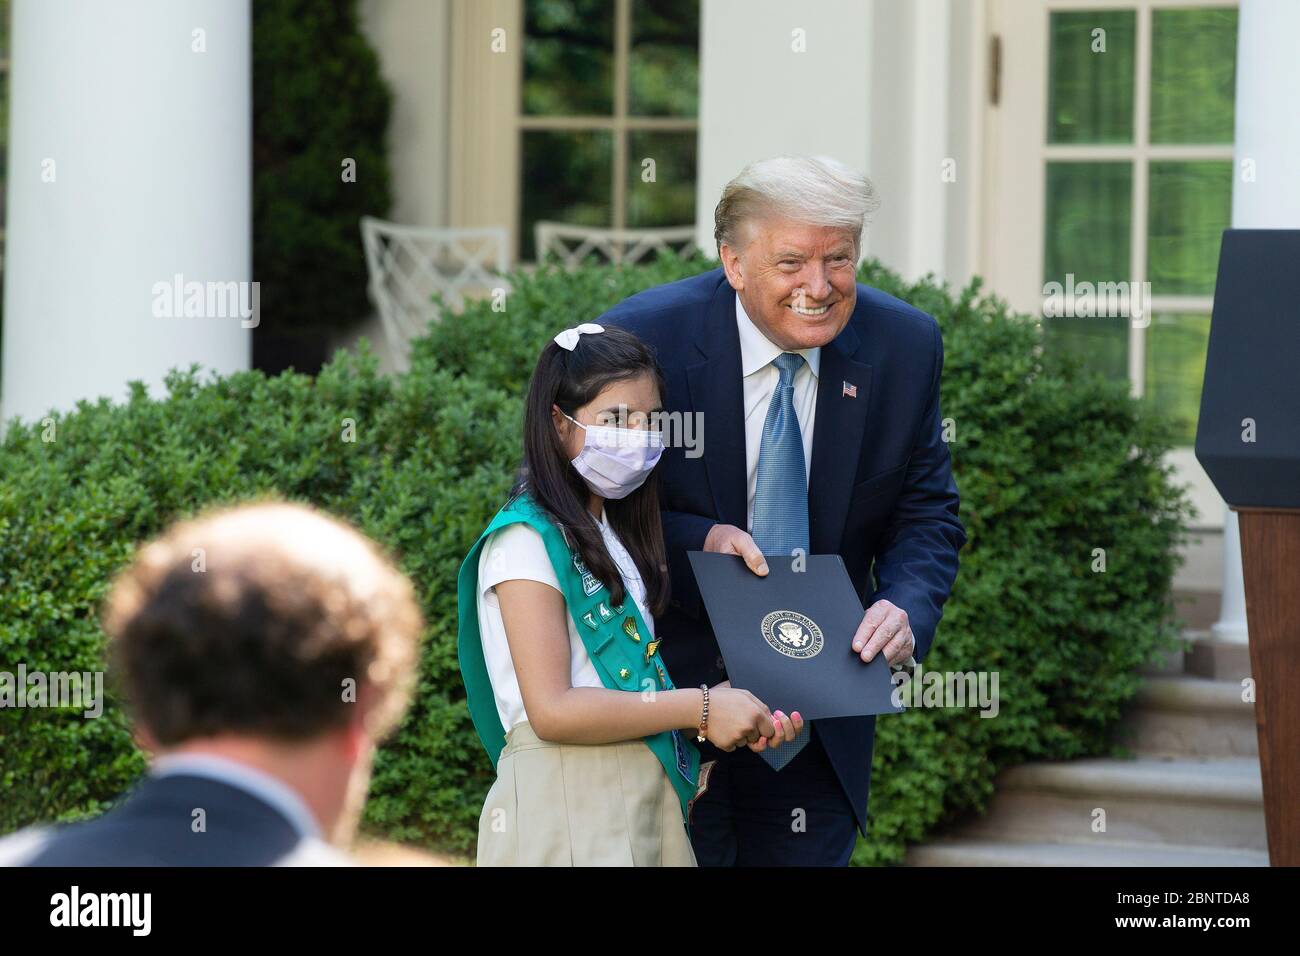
[{"x": 760, "y": 377}]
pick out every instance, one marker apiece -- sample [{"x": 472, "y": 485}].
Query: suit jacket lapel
[
  {"x": 837, "y": 440},
  {"x": 717, "y": 391}
]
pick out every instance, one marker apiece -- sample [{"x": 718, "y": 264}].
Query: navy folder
[{"x": 787, "y": 637}]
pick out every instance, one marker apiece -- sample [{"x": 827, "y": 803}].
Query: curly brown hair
[{"x": 258, "y": 620}]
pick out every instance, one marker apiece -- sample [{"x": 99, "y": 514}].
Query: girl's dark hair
[{"x": 571, "y": 379}]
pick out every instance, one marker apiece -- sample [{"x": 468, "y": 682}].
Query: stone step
[
  {"x": 1200, "y": 653},
  {"x": 1190, "y": 716},
  {"x": 972, "y": 852},
  {"x": 1216, "y": 659},
  {"x": 1151, "y": 800}
]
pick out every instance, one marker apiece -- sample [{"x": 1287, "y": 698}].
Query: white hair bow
[{"x": 568, "y": 339}]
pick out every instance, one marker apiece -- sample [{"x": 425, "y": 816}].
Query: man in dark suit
[
  {"x": 263, "y": 651},
  {"x": 819, "y": 404}
]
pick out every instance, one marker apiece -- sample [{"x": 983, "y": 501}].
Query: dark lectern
[{"x": 1248, "y": 441}]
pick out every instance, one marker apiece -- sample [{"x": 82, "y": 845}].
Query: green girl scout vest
[{"x": 616, "y": 639}]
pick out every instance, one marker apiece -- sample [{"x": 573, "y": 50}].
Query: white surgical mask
[{"x": 614, "y": 462}]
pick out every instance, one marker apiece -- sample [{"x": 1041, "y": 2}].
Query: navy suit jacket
[
  {"x": 880, "y": 490},
  {"x": 151, "y": 826}
]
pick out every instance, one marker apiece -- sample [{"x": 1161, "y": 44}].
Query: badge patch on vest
[
  {"x": 701, "y": 788},
  {"x": 590, "y": 584},
  {"x": 793, "y": 634}
]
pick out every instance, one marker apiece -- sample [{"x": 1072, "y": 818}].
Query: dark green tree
[{"x": 318, "y": 101}]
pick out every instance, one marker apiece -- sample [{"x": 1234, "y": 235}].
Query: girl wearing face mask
[{"x": 592, "y": 742}]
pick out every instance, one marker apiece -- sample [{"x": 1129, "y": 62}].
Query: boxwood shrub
[{"x": 1052, "y": 464}]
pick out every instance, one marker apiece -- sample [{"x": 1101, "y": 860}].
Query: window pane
[
  {"x": 568, "y": 57},
  {"x": 1090, "y": 94},
  {"x": 1190, "y": 206},
  {"x": 663, "y": 67},
  {"x": 1087, "y": 222},
  {"x": 1101, "y": 344},
  {"x": 1087, "y": 240},
  {"x": 670, "y": 199},
  {"x": 1175, "y": 368},
  {"x": 566, "y": 177},
  {"x": 1193, "y": 75}
]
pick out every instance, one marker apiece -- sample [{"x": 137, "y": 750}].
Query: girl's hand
[
  {"x": 737, "y": 718},
  {"x": 787, "y": 728}
]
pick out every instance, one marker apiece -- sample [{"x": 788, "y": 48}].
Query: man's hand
[
  {"x": 884, "y": 626},
  {"x": 728, "y": 539}
]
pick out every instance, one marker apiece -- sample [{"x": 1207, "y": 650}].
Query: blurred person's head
[
  {"x": 789, "y": 232},
  {"x": 273, "y": 635}
]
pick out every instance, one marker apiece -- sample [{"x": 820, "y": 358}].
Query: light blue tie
[{"x": 781, "y": 499}]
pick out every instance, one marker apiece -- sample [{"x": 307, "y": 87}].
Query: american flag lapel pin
[{"x": 850, "y": 391}]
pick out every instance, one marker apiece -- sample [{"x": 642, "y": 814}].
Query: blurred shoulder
[
  {"x": 24, "y": 846},
  {"x": 102, "y": 841}
]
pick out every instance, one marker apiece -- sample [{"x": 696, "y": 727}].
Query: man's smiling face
[{"x": 797, "y": 282}]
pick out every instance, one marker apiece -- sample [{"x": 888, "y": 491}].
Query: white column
[
  {"x": 779, "y": 78},
  {"x": 910, "y": 118},
  {"x": 1265, "y": 191},
  {"x": 129, "y": 164},
  {"x": 1231, "y": 625}
]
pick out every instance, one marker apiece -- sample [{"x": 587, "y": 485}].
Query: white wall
[
  {"x": 758, "y": 98},
  {"x": 893, "y": 87},
  {"x": 927, "y": 96},
  {"x": 909, "y": 115},
  {"x": 149, "y": 146},
  {"x": 411, "y": 38}
]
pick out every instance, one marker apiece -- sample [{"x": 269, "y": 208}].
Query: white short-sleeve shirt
[{"x": 517, "y": 552}]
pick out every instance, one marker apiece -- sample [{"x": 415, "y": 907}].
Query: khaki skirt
[{"x": 580, "y": 805}]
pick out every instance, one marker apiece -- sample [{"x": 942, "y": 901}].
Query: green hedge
[{"x": 1051, "y": 463}]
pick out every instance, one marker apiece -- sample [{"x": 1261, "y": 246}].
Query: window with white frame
[
  {"x": 607, "y": 114},
  {"x": 1138, "y": 176}
]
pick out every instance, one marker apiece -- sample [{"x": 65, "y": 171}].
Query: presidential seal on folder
[{"x": 787, "y": 637}]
